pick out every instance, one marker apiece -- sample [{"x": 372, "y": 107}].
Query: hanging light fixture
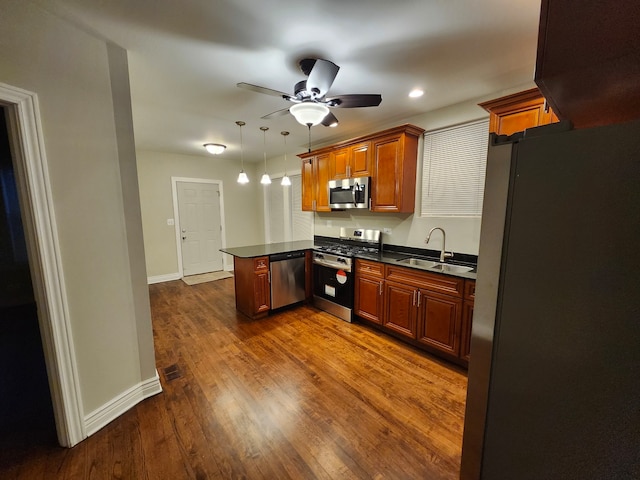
[
  {"x": 286, "y": 181},
  {"x": 242, "y": 177},
  {"x": 215, "y": 148},
  {"x": 309, "y": 113},
  {"x": 265, "y": 180}
]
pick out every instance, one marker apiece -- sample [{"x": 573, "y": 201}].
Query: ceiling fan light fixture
[
  {"x": 309, "y": 113},
  {"x": 215, "y": 148}
]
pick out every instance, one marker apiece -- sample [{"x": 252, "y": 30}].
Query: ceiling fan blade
[
  {"x": 321, "y": 77},
  {"x": 355, "y": 100},
  {"x": 329, "y": 120},
  {"x": 277, "y": 113},
  {"x": 267, "y": 91}
]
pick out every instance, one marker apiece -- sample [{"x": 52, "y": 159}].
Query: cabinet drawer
[
  {"x": 469, "y": 290},
  {"x": 260, "y": 264},
  {"x": 369, "y": 268},
  {"x": 429, "y": 281}
]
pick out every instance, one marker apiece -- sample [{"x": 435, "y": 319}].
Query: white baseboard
[
  {"x": 120, "y": 404},
  {"x": 164, "y": 278}
]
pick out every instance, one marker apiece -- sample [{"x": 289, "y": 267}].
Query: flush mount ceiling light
[
  {"x": 286, "y": 181},
  {"x": 416, "y": 93},
  {"x": 265, "y": 180},
  {"x": 309, "y": 113},
  {"x": 215, "y": 148},
  {"x": 242, "y": 177}
]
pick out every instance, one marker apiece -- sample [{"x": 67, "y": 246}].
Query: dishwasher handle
[{"x": 278, "y": 257}]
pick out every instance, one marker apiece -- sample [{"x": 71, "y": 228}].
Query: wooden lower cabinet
[
  {"x": 429, "y": 310},
  {"x": 467, "y": 319},
  {"x": 439, "y": 322},
  {"x": 401, "y": 309},
  {"x": 252, "y": 286},
  {"x": 369, "y": 289}
]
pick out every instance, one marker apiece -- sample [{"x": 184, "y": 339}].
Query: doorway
[
  {"x": 26, "y": 409},
  {"x": 198, "y": 209}
]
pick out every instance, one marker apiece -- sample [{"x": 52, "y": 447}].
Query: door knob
[{"x": 184, "y": 230}]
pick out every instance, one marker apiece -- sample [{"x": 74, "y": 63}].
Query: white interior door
[{"x": 200, "y": 227}]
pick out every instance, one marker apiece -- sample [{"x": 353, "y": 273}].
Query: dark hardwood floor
[{"x": 299, "y": 394}]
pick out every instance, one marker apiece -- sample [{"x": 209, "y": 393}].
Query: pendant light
[
  {"x": 265, "y": 180},
  {"x": 242, "y": 177},
  {"x": 286, "y": 181}
]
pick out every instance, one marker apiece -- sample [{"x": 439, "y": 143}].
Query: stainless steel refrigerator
[{"x": 554, "y": 376}]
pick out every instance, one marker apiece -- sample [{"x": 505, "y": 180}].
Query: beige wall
[
  {"x": 70, "y": 71},
  {"x": 463, "y": 234},
  {"x": 242, "y": 213}
]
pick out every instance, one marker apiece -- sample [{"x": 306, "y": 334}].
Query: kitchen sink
[{"x": 436, "y": 266}]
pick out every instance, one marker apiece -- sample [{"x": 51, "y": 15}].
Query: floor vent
[{"x": 172, "y": 372}]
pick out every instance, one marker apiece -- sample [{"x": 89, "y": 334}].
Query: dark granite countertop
[
  {"x": 388, "y": 255},
  {"x": 269, "y": 249}
]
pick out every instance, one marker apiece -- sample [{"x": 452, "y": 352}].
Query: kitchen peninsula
[
  {"x": 252, "y": 273},
  {"x": 402, "y": 291}
]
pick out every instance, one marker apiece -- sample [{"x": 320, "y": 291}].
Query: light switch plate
[{"x": 170, "y": 221}]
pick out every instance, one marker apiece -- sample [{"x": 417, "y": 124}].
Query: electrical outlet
[{"x": 387, "y": 231}]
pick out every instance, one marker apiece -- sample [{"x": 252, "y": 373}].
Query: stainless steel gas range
[{"x": 333, "y": 282}]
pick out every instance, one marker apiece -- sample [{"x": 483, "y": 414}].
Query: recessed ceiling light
[{"x": 416, "y": 93}]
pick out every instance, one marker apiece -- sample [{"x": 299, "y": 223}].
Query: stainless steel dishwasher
[{"x": 287, "y": 278}]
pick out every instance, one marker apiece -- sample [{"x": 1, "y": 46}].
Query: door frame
[
  {"x": 45, "y": 260},
  {"x": 176, "y": 215}
]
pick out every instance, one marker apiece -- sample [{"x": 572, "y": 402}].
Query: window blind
[{"x": 453, "y": 170}]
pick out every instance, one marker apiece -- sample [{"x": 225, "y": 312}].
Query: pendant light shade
[
  {"x": 286, "y": 181},
  {"x": 309, "y": 113},
  {"x": 242, "y": 177},
  {"x": 265, "y": 180}
]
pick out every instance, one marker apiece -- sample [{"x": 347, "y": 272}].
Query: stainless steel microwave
[{"x": 349, "y": 193}]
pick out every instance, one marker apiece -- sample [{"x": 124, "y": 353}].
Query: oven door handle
[{"x": 337, "y": 266}]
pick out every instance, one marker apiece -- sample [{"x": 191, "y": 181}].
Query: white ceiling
[{"x": 186, "y": 57}]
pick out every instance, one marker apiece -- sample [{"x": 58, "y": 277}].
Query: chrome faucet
[{"x": 443, "y": 254}]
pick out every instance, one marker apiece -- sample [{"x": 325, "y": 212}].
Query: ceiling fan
[{"x": 311, "y": 106}]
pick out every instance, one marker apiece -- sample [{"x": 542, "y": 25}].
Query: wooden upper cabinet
[
  {"x": 308, "y": 181},
  {"x": 350, "y": 162},
  {"x": 393, "y": 182},
  {"x": 517, "y": 112},
  {"x": 315, "y": 179},
  {"x": 587, "y": 63},
  {"x": 389, "y": 157}
]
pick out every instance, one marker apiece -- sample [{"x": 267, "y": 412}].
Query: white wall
[{"x": 81, "y": 99}]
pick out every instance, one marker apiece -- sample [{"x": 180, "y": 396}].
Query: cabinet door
[
  {"x": 439, "y": 321},
  {"x": 308, "y": 185},
  {"x": 369, "y": 298},
  {"x": 467, "y": 323},
  {"x": 261, "y": 292},
  {"x": 321, "y": 174},
  {"x": 360, "y": 165},
  {"x": 400, "y": 309},
  {"x": 261, "y": 285},
  {"x": 393, "y": 186},
  {"x": 339, "y": 161},
  {"x": 517, "y": 112}
]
